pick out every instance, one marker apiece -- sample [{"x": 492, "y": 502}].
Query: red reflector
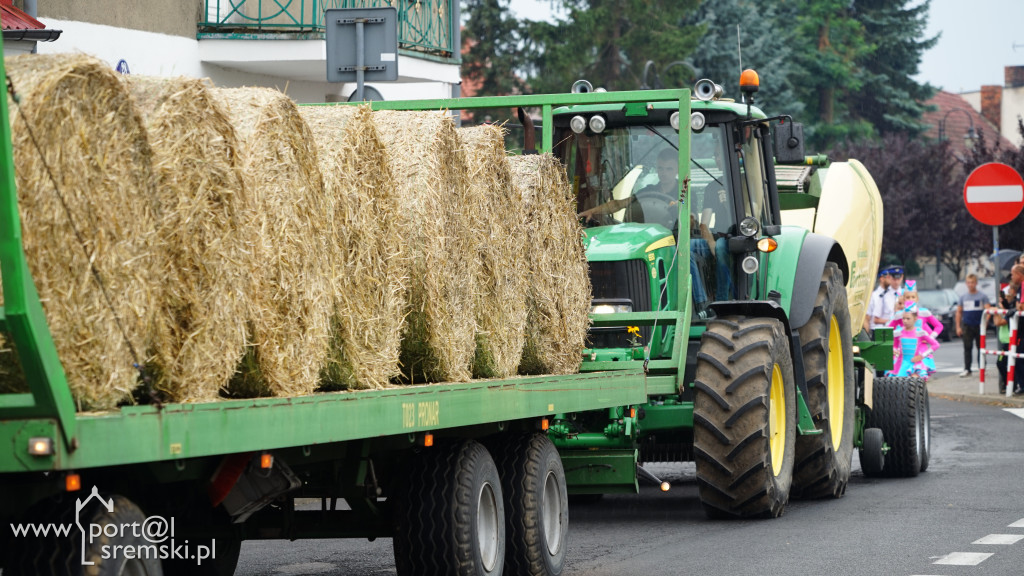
[
  {"x": 72, "y": 482},
  {"x": 428, "y": 439},
  {"x": 266, "y": 461},
  {"x": 544, "y": 424}
]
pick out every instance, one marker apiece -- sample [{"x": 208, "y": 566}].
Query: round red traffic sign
[{"x": 994, "y": 194}]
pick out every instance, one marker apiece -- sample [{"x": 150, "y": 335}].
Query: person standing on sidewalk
[
  {"x": 1012, "y": 300},
  {"x": 968, "y": 320}
]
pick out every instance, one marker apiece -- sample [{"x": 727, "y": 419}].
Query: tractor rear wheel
[
  {"x": 895, "y": 411},
  {"x": 450, "y": 518},
  {"x": 744, "y": 418},
  {"x": 823, "y": 461}
]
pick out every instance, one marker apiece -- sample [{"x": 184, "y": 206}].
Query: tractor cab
[{"x": 644, "y": 196}]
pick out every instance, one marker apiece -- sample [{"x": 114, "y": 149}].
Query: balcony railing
[{"x": 423, "y": 25}]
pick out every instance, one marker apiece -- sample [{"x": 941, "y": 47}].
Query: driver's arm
[{"x": 608, "y": 207}]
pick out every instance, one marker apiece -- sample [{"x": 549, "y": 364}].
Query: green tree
[
  {"x": 608, "y": 42},
  {"x": 830, "y": 44},
  {"x": 767, "y": 48},
  {"x": 889, "y": 98},
  {"x": 492, "y": 56}
]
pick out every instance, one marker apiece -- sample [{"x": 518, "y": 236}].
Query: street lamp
[{"x": 971, "y": 135}]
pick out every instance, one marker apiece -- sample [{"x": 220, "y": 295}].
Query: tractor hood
[{"x": 625, "y": 241}]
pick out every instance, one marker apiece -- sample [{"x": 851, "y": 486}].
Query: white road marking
[
  {"x": 1000, "y": 539},
  {"x": 1018, "y": 412},
  {"x": 1017, "y": 524},
  {"x": 963, "y": 558}
]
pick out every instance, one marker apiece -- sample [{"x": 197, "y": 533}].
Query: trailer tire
[
  {"x": 536, "y": 506},
  {"x": 449, "y": 516},
  {"x": 872, "y": 461},
  {"x": 823, "y": 461},
  {"x": 924, "y": 420},
  {"x": 895, "y": 411},
  {"x": 62, "y": 555},
  {"x": 744, "y": 418}
]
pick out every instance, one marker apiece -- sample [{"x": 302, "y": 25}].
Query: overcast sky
[{"x": 977, "y": 41}]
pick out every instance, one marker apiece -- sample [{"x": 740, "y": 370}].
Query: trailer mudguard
[{"x": 814, "y": 253}]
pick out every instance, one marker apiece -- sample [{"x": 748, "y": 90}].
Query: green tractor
[{"x": 735, "y": 271}]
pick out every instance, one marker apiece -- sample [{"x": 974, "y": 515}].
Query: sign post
[{"x": 994, "y": 195}]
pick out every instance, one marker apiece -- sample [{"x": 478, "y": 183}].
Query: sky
[{"x": 977, "y": 40}]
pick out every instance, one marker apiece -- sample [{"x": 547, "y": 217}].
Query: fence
[
  {"x": 1011, "y": 354},
  {"x": 423, "y": 25}
]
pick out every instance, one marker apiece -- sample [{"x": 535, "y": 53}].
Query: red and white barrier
[{"x": 1012, "y": 354}]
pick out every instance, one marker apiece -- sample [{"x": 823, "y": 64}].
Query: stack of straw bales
[
  {"x": 369, "y": 289},
  {"x": 92, "y": 149},
  {"x": 439, "y": 337},
  {"x": 559, "y": 293},
  {"x": 292, "y": 299},
  {"x": 501, "y": 305},
  {"x": 204, "y": 234}
]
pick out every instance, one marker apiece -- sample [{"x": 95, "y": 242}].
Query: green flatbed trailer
[{"x": 441, "y": 468}]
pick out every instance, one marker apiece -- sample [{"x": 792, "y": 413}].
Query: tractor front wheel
[{"x": 744, "y": 418}]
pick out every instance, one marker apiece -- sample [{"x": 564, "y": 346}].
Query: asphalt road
[{"x": 971, "y": 494}]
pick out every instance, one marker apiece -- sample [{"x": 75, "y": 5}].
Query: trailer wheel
[
  {"x": 536, "y": 506},
  {"x": 896, "y": 412},
  {"x": 63, "y": 555},
  {"x": 450, "y": 517},
  {"x": 924, "y": 419},
  {"x": 823, "y": 461},
  {"x": 871, "y": 458},
  {"x": 744, "y": 418}
]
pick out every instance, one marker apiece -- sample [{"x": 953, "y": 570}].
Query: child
[
  {"x": 911, "y": 347},
  {"x": 926, "y": 321}
]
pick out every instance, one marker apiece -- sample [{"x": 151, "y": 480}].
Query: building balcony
[{"x": 286, "y": 38}]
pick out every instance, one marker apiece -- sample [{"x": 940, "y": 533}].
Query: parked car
[{"x": 942, "y": 303}]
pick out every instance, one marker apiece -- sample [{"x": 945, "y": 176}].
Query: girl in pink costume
[
  {"x": 911, "y": 347},
  {"x": 925, "y": 319}
]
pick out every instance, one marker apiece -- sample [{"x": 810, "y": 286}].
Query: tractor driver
[{"x": 655, "y": 203}]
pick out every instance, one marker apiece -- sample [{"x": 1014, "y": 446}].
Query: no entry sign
[{"x": 994, "y": 194}]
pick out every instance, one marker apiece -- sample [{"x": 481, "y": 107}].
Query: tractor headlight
[
  {"x": 578, "y": 124},
  {"x": 673, "y": 121},
  {"x": 611, "y": 308},
  {"x": 750, "y": 264},
  {"x": 697, "y": 121},
  {"x": 597, "y": 124},
  {"x": 749, "y": 227}
]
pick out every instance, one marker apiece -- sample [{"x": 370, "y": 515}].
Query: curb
[{"x": 990, "y": 400}]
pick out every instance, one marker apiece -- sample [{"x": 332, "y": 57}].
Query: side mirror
[{"x": 789, "y": 143}]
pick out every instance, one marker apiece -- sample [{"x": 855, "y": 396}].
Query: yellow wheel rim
[
  {"x": 836, "y": 384},
  {"x": 777, "y": 420}
]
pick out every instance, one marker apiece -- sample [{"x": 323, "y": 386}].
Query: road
[{"x": 971, "y": 494}]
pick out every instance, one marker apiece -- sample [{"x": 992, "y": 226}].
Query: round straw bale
[
  {"x": 501, "y": 305},
  {"x": 439, "y": 337},
  {"x": 205, "y": 253},
  {"x": 558, "y": 300},
  {"x": 367, "y": 240},
  {"x": 292, "y": 300},
  {"x": 86, "y": 195}
]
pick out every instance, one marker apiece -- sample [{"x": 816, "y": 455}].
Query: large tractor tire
[
  {"x": 536, "y": 505},
  {"x": 744, "y": 418},
  {"x": 896, "y": 411},
  {"x": 823, "y": 461},
  {"x": 449, "y": 517},
  {"x": 925, "y": 417}
]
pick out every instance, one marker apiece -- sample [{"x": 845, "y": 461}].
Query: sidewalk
[{"x": 950, "y": 385}]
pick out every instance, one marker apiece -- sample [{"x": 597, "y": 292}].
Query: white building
[{"x": 254, "y": 42}]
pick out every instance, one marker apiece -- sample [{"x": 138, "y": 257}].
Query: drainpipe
[{"x": 32, "y": 10}]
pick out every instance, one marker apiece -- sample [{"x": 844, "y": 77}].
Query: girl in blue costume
[
  {"x": 926, "y": 321},
  {"x": 911, "y": 346}
]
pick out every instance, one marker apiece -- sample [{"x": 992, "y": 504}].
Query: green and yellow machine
[{"x": 738, "y": 284}]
